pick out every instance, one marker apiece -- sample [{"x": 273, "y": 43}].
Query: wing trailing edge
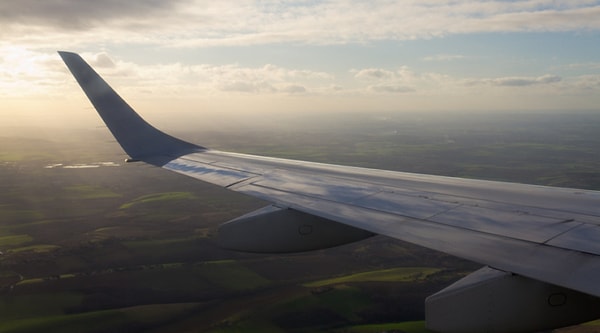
[{"x": 139, "y": 139}]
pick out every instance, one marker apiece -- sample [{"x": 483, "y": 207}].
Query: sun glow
[{"x": 24, "y": 72}]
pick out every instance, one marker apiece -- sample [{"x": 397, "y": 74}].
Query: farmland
[{"x": 89, "y": 243}]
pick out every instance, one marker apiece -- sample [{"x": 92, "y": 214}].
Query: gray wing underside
[{"x": 544, "y": 233}]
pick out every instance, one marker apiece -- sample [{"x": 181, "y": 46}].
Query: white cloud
[
  {"x": 587, "y": 84},
  {"x": 400, "y": 80},
  {"x": 390, "y": 88},
  {"x": 374, "y": 73},
  {"x": 102, "y": 60},
  {"x": 247, "y": 87},
  {"x": 199, "y": 23},
  {"x": 24, "y": 72},
  {"x": 294, "y": 89}
]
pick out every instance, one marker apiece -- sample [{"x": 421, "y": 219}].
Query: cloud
[
  {"x": 247, "y": 87},
  {"x": 28, "y": 73},
  {"x": 201, "y": 23},
  {"x": 587, "y": 83},
  {"x": 80, "y": 14},
  {"x": 23, "y": 72},
  {"x": 374, "y": 73},
  {"x": 390, "y": 88},
  {"x": 516, "y": 81},
  {"x": 266, "y": 79},
  {"x": 584, "y": 66},
  {"x": 102, "y": 60},
  {"x": 294, "y": 89},
  {"x": 525, "y": 81},
  {"x": 402, "y": 80}
]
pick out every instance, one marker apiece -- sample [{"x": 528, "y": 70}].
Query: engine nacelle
[
  {"x": 494, "y": 301},
  {"x": 277, "y": 230}
]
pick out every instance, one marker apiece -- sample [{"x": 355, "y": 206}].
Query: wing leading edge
[{"x": 542, "y": 233}]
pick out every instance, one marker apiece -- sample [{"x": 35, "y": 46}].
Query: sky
[{"x": 199, "y": 59}]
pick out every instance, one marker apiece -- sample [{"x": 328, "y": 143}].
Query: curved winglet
[{"x": 139, "y": 139}]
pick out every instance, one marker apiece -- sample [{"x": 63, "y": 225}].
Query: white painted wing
[{"x": 548, "y": 234}]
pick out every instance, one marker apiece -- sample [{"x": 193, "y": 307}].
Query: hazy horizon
[{"x": 228, "y": 58}]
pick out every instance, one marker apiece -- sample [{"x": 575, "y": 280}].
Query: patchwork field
[{"x": 91, "y": 244}]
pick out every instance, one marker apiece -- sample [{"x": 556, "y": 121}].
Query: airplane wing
[{"x": 541, "y": 244}]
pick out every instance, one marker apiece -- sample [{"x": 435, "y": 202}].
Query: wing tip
[
  {"x": 67, "y": 54},
  {"x": 138, "y": 138}
]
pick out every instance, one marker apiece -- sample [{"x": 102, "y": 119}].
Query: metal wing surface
[
  {"x": 544, "y": 233},
  {"x": 549, "y": 234}
]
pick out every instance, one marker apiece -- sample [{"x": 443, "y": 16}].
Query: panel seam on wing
[{"x": 564, "y": 232}]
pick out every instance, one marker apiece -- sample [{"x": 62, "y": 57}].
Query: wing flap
[
  {"x": 208, "y": 172},
  {"x": 583, "y": 238},
  {"x": 511, "y": 224}
]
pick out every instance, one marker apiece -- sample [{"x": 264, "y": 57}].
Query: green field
[
  {"x": 132, "y": 248},
  {"x": 13, "y": 240},
  {"x": 159, "y": 197},
  {"x": 119, "y": 320},
  {"x": 35, "y": 248},
  {"x": 400, "y": 274},
  {"x": 86, "y": 191}
]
